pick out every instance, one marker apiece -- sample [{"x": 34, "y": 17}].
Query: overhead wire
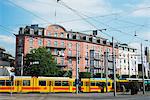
[
  {"x": 62, "y": 3},
  {"x": 28, "y": 11}
]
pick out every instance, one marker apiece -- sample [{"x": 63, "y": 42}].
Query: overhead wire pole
[
  {"x": 77, "y": 73},
  {"x": 113, "y": 57},
  {"x": 106, "y": 66},
  {"x": 142, "y": 69}
]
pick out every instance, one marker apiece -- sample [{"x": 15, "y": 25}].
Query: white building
[{"x": 127, "y": 62}]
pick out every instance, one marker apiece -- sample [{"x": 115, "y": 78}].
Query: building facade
[
  {"x": 6, "y": 59},
  {"x": 62, "y": 44},
  {"x": 127, "y": 61}
]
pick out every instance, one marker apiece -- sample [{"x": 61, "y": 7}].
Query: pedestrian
[{"x": 123, "y": 89}]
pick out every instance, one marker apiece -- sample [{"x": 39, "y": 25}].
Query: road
[{"x": 69, "y": 96}]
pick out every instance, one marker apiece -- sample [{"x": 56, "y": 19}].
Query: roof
[{"x": 58, "y": 26}]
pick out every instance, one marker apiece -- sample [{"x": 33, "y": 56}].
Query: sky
[{"x": 121, "y": 18}]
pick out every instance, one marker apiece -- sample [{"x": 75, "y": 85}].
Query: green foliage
[
  {"x": 46, "y": 66},
  {"x": 85, "y": 75}
]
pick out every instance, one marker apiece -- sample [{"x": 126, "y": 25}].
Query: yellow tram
[{"x": 27, "y": 84}]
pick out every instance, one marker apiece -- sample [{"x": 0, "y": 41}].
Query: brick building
[{"x": 62, "y": 44}]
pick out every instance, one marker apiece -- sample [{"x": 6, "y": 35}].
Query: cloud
[
  {"x": 143, "y": 9},
  {"x": 46, "y": 10},
  {"x": 7, "y": 39}
]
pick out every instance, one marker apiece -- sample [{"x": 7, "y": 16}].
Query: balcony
[
  {"x": 56, "y": 47},
  {"x": 97, "y": 58},
  {"x": 97, "y": 67},
  {"x": 73, "y": 56}
]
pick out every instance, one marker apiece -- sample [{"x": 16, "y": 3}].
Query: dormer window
[
  {"x": 90, "y": 39},
  {"x": 62, "y": 35},
  {"x": 55, "y": 34},
  {"x": 104, "y": 41},
  {"x": 77, "y": 36},
  {"x": 31, "y": 31},
  {"x": 74, "y": 36},
  {"x": 84, "y": 37},
  {"x": 40, "y": 32},
  {"x": 98, "y": 41},
  {"x": 94, "y": 39},
  {"x": 49, "y": 34},
  {"x": 70, "y": 36}
]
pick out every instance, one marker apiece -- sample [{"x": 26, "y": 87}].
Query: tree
[{"x": 46, "y": 65}]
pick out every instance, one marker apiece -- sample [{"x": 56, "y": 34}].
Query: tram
[{"x": 26, "y": 84}]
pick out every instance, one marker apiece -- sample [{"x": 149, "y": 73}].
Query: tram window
[
  {"x": 57, "y": 83},
  {"x": 2, "y": 82},
  {"x": 8, "y": 83},
  {"x": 97, "y": 84},
  {"x": 42, "y": 83},
  {"x": 26, "y": 82},
  {"x": 65, "y": 83},
  {"x": 74, "y": 84},
  {"x": 102, "y": 84},
  {"x": 17, "y": 83},
  {"x": 81, "y": 83},
  {"x": 92, "y": 83},
  {"x": 87, "y": 83},
  {"x": 108, "y": 83}
]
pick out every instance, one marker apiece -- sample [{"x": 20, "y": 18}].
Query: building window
[
  {"x": 20, "y": 42},
  {"x": 40, "y": 42},
  {"x": 108, "y": 50},
  {"x": 70, "y": 45},
  {"x": 70, "y": 61},
  {"x": 30, "y": 49},
  {"x": 87, "y": 54},
  {"x": 48, "y": 49},
  {"x": 87, "y": 47},
  {"x": 62, "y": 61},
  {"x": 87, "y": 63},
  {"x": 55, "y": 43},
  {"x": 69, "y": 52},
  {"x": 124, "y": 61},
  {"x": 48, "y": 43},
  {"x": 62, "y": 52},
  {"x": 62, "y": 44},
  {"x": 55, "y": 34},
  {"x": 55, "y": 51},
  {"x": 31, "y": 41},
  {"x": 49, "y": 34},
  {"x": 55, "y": 59},
  {"x": 40, "y": 32},
  {"x": 62, "y": 35},
  {"x": 78, "y": 61}
]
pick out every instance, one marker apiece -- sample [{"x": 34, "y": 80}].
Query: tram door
[
  {"x": 87, "y": 85},
  {"x": 18, "y": 84},
  {"x": 50, "y": 83}
]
